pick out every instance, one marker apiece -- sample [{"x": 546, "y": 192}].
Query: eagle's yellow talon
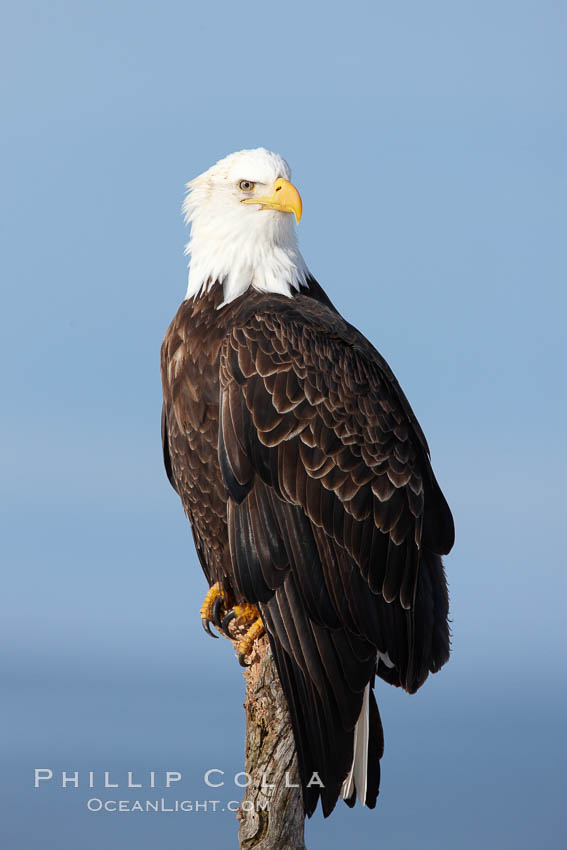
[
  {"x": 211, "y": 601},
  {"x": 245, "y": 646}
]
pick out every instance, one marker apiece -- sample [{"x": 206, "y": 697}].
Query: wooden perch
[{"x": 271, "y": 818}]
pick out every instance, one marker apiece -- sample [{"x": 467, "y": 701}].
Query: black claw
[
  {"x": 217, "y": 605},
  {"x": 226, "y": 620},
  {"x": 242, "y": 660},
  {"x": 207, "y": 627}
]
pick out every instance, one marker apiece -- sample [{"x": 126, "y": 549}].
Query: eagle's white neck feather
[{"x": 240, "y": 246}]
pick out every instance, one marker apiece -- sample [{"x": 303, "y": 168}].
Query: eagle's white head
[{"x": 242, "y": 213}]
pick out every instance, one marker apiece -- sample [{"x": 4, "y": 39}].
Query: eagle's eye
[{"x": 246, "y": 185}]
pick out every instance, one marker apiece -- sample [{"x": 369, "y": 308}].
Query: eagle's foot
[
  {"x": 211, "y": 609},
  {"x": 246, "y": 625},
  {"x": 246, "y": 645}
]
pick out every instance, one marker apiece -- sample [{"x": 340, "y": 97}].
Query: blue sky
[{"x": 428, "y": 143}]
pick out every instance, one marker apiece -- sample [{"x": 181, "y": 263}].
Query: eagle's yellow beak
[{"x": 284, "y": 198}]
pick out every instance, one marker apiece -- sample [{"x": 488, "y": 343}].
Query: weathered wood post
[{"x": 271, "y": 818}]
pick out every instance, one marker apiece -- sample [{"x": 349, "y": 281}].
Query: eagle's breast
[{"x": 190, "y": 378}]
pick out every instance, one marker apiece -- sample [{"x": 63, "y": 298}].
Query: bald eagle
[{"x": 305, "y": 476}]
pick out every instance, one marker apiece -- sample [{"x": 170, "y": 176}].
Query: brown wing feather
[{"x": 343, "y": 439}]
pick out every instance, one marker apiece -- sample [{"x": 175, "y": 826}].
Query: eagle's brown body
[
  {"x": 190, "y": 360},
  {"x": 307, "y": 481}
]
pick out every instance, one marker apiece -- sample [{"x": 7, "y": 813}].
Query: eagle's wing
[{"x": 336, "y": 525}]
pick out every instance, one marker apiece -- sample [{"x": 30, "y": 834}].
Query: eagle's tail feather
[
  {"x": 324, "y": 745},
  {"x": 363, "y": 779}
]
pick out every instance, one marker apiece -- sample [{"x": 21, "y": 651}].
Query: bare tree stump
[{"x": 271, "y": 814}]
